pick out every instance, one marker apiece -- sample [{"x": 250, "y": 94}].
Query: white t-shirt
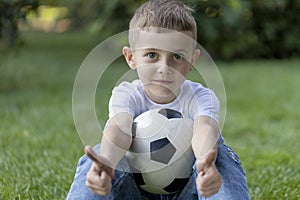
[{"x": 193, "y": 100}]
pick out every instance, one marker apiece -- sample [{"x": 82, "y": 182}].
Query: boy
[{"x": 162, "y": 50}]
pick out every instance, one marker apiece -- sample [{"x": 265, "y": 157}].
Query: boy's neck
[{"x": 162, "y": 99}]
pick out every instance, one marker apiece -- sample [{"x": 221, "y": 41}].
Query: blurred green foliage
[
  {"x": 249, "y": 29},
  {"x": 228, "y": 29},
  {"x": 10, "y": 12},
  {"x": 103, "y": 17}
]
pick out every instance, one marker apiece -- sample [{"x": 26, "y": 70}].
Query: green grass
[
  {"x": 262, "y": 124},
  {"x": 40, "y": 146}
]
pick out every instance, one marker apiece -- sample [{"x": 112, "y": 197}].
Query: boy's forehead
[{"x": 165, "y": 40}]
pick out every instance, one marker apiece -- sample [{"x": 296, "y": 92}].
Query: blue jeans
[{"x": 234, "y": 184}]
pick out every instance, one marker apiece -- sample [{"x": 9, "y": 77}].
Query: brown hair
[{"x": 167, "y": 14}]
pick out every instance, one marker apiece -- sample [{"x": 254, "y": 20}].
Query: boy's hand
[
  {"x": 209, "y": 179},
  {"x": 100, "y": 175}
]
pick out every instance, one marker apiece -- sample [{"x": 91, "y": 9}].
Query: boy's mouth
[{"x": 162, "y": 81}]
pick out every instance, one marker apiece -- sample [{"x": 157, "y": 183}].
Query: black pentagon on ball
[
  {"x": 133, "y": 130},
  {"x": 176, "y": 185},
  {"x": 162, "y": 150},
  {"x": 138, "y": 178},
  {"x": 169, "y": 113}
]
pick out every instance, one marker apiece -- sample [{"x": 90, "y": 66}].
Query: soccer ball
[{"x": 160, "y": 157}]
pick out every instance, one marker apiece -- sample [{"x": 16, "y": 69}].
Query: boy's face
[{"x": 162, "y": 60}]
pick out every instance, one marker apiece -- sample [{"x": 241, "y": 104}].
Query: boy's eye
[
  {"x": 151, "y": 55},
  {"x": 177, "y": 56}
]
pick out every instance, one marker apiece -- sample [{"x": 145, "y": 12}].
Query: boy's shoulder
[
  {"x": 196, "y": 89},
  {"x": 126, "y": 85},
  {"x": 192, "y": 83},
  {"x": 195, "y": 86}
]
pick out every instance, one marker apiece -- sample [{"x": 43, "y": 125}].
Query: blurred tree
[
  {"x": 104, "y": 17},
  {"x": 10, "y": 12},
  {"x": 276, "y": 24},
  {"x": 232, "y": 29},
  {"x": 228, "y": 29},
  {"x": 219, "y": 23}
]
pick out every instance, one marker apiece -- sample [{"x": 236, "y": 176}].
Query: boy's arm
[
  {"x": 115, "y": 142},
  {"x": 204, "y": 144},
  {"x": 117, "y": 138},
  {"x": 205, "y": 136}
]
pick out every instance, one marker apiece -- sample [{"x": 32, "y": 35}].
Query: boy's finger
[
  {"x": 209, "y": 187},
  {"x": 206, "y": 161},
  {"x": 104, "y": 178},
  {"x": 97, "y": 189},
  {"x": 211, "y": 156},
  {"x": 103, "y": 163}
]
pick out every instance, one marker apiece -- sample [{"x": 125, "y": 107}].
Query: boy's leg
[
  {"x": 189, "y": 191},
  {"x": 123, "y": 185},
  {"x": 234, "y": 183}
]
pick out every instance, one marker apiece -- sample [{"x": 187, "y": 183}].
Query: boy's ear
[
  {"x": 127, "y": 53},
  {"x": 196, "y": 55}
]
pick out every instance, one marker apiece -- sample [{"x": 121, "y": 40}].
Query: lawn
[{"x": 40, "y": 146}]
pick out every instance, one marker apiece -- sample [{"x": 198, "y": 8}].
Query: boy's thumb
[
  {"x": 103, "y": 163},
  {"x": 206, "y": 161}
]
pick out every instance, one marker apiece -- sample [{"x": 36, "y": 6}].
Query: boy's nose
[
  {"x": 164, "y": 69},
  {"x": 164, "y": 66}
]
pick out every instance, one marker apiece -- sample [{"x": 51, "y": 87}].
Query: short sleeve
[
  {"x": 122, "y": 99},
  {"x": 205, "y": 102}
]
